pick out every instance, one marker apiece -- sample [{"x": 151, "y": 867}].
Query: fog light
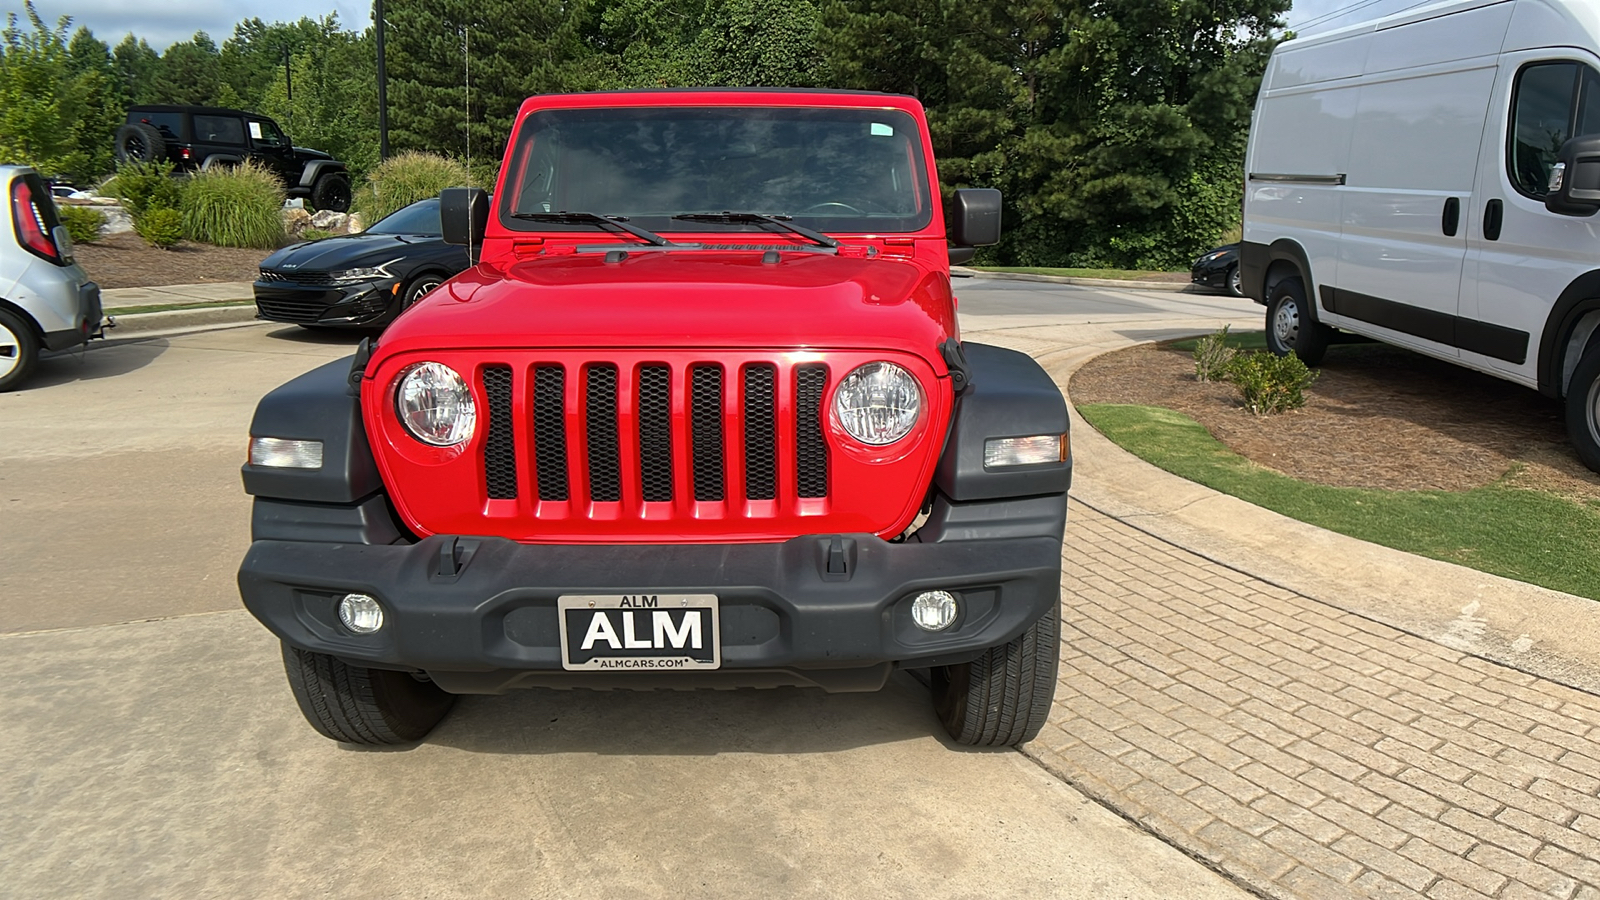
[
  {"x": 281, "y": 453},
  {"x": 1024, "y": 451},
  {"x": 934, "y": 610},
  {"x": 360, "y": 613}
]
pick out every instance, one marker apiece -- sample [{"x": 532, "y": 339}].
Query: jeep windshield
[{"x": 679, "y": 169}]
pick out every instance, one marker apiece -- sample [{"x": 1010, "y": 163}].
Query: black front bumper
[
  {"x": 355, "y": 306},
  {"x": 787, "y": 615}
]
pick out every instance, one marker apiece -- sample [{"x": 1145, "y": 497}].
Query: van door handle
[
  {"x": 1452, "y": 216},
  {"x": 1493, "y": 215}
]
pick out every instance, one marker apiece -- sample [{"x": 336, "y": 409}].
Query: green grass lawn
[
  {"x": 1115, "y": 274},
  {"x": 1527, "y": 535}
]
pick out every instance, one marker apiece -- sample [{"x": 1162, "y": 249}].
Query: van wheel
[
  {"x": 362, "y": 706},
  {"x": 19, "y": 350},
  {"x": 1291, "y": 326},
  {"x": 1583, "y": 408},
  {"x": 1001, "y": 698}
]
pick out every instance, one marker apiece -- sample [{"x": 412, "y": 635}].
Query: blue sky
[{"x": 161, "y": 23}]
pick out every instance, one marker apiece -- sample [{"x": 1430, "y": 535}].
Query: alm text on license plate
[{"x": 639, "y": 632}]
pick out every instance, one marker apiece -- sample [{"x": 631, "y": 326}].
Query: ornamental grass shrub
[
  {"x": 236, "y": 206},
  {"x": 1270, "y": 383},
  {"x": 1213, "y": 356},
  {"x": 404, "y": 179},
  {"x": 145, "y": 186},
  {"x": 83, "y": 223},
  {"x": 160, "y": 227}
]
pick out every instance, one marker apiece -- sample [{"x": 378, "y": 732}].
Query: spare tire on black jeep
[{"x": 141, "y": 143}]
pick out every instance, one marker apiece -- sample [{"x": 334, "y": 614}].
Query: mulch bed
[
  {"x": 1377, "y": 417},
  {"x": 125, "y": 260}
]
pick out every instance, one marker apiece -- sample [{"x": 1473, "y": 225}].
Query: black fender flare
[
  {"x": 317, "y": 406},
  {"x": 1257, "y": 265},
  {"x": 1577, "y": 300},
  {"x": 316, "y": 168},
  {"x": 1009, "y": 395}
]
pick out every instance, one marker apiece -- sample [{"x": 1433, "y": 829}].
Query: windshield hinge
[{"x": 955, "y": 358}]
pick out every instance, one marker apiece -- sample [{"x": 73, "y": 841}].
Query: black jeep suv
[{"x": 199, "y": 137}]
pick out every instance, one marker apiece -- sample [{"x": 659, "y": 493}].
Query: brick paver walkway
[{"x": 1306, "y": 751}]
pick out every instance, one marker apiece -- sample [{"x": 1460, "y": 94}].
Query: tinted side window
[
  {"x": 1542, "y": 120},
  {"x": 219, "y": 129},
  {"x": 170, "y": 124}
]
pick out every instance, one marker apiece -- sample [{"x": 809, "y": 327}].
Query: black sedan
[
  {"x": 1219, "y": 269},
  {"x": 360, "y": 280}
]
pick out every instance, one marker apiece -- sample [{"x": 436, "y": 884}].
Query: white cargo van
[{"x": 1431, "y": 180}]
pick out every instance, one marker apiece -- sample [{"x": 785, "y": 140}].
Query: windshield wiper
[
  {"x": 734, "y": 218},
  {"x": 582, "y": 218}
]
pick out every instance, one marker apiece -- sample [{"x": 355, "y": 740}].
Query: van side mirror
[
  {"x": 1575, "y": 178},
  {"x": 976, "y": 219},
  {"x": 463, "y": 216}
]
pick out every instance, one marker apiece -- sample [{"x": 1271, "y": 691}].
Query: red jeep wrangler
[{"x": 699, "y": 415}]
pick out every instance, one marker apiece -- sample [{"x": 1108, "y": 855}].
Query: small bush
[
  {"x": 146, "y": 186},
  {"x": 160, "y": 227},
  {"x": 83, "y": 223},
  {"x": 1270, "y": 383},
  {"x": 315, "y": 234},
  {"x": 238, "y": 206},
  {"x": 1213, "y": 356},
  {"x": 404, "y": 179}
]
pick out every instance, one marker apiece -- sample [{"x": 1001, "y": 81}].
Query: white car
[
  {"x": 46, "y": 301},
  {"x": 1401, "y": 184}
]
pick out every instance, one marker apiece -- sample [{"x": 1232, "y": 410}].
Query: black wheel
[
  {"x": 1001, "y": 698},
  {"x": 19, "y": 349},
  {"x": 1235, "y": 286},
  {"x": 362, "y": 706},
  {"x": 140, "y": 143},
  {"x": 1291, "y": 324},
  {"x": 331, "y": 192},
  {"x": 420, "y": 286},
  {"x": 1583, "y": 408}
]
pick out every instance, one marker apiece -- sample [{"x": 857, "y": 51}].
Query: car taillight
[{"x": 30, "y": 222}]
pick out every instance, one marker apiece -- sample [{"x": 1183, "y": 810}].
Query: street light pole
[
  {"x": 288, "y": 82},
  {"x": 383, "y": 84}
]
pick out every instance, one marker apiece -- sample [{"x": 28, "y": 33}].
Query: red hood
[{"x": 704, "y": 299}]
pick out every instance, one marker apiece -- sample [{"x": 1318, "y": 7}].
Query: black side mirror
[
  {"x": 976, "y": 222},
  {"x": 463, "y": 216},
  {"x": 1575, "y": 178}
]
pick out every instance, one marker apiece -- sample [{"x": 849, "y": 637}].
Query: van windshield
[{"x": 847, "y": 170}]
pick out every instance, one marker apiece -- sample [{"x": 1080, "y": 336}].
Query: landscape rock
[
  {"x": 328, "y": 220},
  {"x": 296, "y": 221}
]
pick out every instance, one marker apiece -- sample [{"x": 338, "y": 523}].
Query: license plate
[{"x": 639, "y": 632}]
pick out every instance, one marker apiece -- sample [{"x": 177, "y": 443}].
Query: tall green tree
[
  {"x": 190, "y": 73},
  {"x": 136, "y": 64},
  {"x": 93, "y": 81},
  {"x": 37, "y": 106}
]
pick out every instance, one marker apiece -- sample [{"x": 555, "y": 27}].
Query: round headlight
[
  {"x": 435, "y": 405},
  {"x": 878, "y": 403}
]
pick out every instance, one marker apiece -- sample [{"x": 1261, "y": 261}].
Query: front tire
[
  {"x": 362, "y": 706},
  {"x": 420, "y": 286},
  {"x": 19, "y": 350},
  {"x": 1292, "y": 325},
  {"x": 1583, "y": 408},
  {"x": 1235, "y": 284},
  {"x": 331, "y": 192},
  {"x": 1002, "y": 698}
]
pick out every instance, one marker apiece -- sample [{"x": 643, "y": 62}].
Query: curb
[
  {"x": 1167, "y": 286},
  {"x": 175, "y": 321}
]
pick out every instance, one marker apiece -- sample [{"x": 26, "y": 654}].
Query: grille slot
[
  {"x": 550, "y": 431},
  {"x": 811, "y": 451},
  {"x": 291, "y": 310},
  {"x": 605, "y": 469},
  {"x": 705, "y": 431},
  {"x": 500, "y": 449},
  {"x": 311, "y": 278},
  {"x": 760, "y": 433},
  {"x": 655, "y": 433}
]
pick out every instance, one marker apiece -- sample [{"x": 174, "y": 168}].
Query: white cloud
[{"x": 162, "y": 23}]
